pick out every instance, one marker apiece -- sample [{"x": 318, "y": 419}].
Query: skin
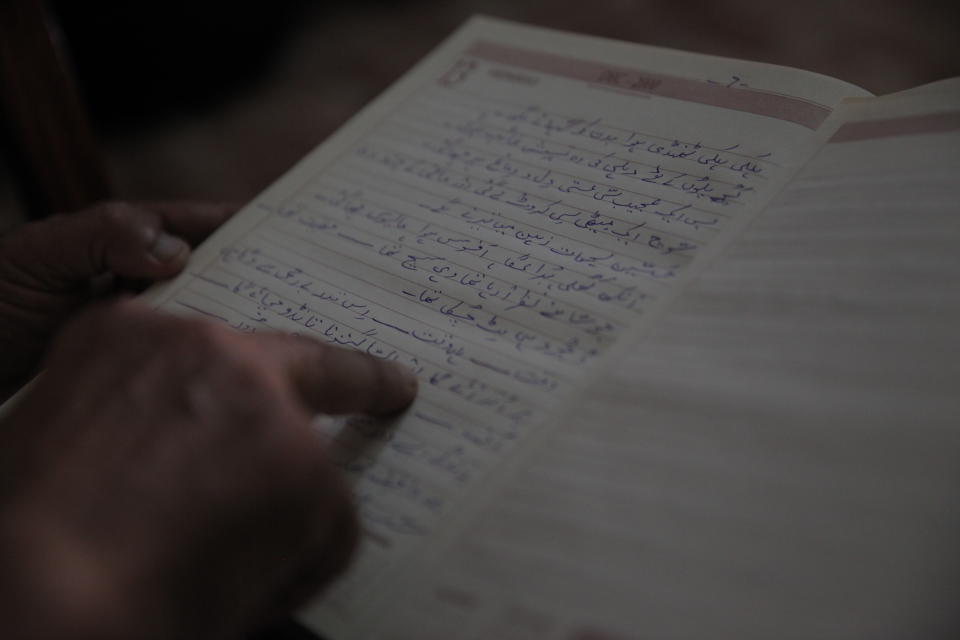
[
  {"x": 161, "y": 478},
  {"x": 52, "y": 268}
]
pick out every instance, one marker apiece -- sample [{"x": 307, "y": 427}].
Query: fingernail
[{"x": 166, "y": 247}]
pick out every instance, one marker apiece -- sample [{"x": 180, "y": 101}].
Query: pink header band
[
  {"x": 902, "y": 126},
  {"x": 790, "y": 109}
]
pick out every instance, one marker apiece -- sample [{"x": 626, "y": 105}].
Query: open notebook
[{"x": 686, "y": 329}]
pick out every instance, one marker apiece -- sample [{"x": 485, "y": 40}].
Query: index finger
[
  {"x": 335, "y": 380},
  {"x": 192, "y": 221}
]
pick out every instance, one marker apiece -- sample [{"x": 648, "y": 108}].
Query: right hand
[{"x": 162, "y": 479}]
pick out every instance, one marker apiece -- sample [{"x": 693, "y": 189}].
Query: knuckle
[
  {"x": 317, "y": 359},
  {"x": 227, "y": 357},
  {"x": 113, "y": 214},
  {"x": 314, "y": 349},
  {"x": 204, "y": 334},
  {"x": 222, "y": 354},
  {"x": 124, "y": 220}
]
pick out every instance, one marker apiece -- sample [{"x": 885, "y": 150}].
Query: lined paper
[
  {"x": 779, "y": 455},
  {"x": 499, "y": 226}
]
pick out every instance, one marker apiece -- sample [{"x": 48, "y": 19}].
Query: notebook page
[
  {"x": 779, "y": 456},
  {"x": 497, "y": 221}
]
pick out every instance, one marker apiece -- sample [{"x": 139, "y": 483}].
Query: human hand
[
  {"x": 162, "y": 479},
  {"x": 47, "y": 268}
]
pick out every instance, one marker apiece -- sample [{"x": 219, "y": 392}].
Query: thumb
[{"x": 67, "y": 250}]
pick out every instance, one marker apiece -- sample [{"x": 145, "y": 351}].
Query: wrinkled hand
[
  {"x": 162, "y": 479},
  {"x": 47, "y": 268}
]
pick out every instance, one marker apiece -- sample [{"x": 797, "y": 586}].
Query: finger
[
  {"x": 336, "y": 381},
  {"x": 68, "y": 250},
  {"x": 192, "y": 221}
]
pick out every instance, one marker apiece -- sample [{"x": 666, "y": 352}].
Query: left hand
[{"x": 48, "y": 268}]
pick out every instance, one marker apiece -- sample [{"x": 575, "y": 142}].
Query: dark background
[{"x": 215, "y": 99}]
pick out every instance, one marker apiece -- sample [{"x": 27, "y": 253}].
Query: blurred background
[{"x": 215, "y": 99}]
